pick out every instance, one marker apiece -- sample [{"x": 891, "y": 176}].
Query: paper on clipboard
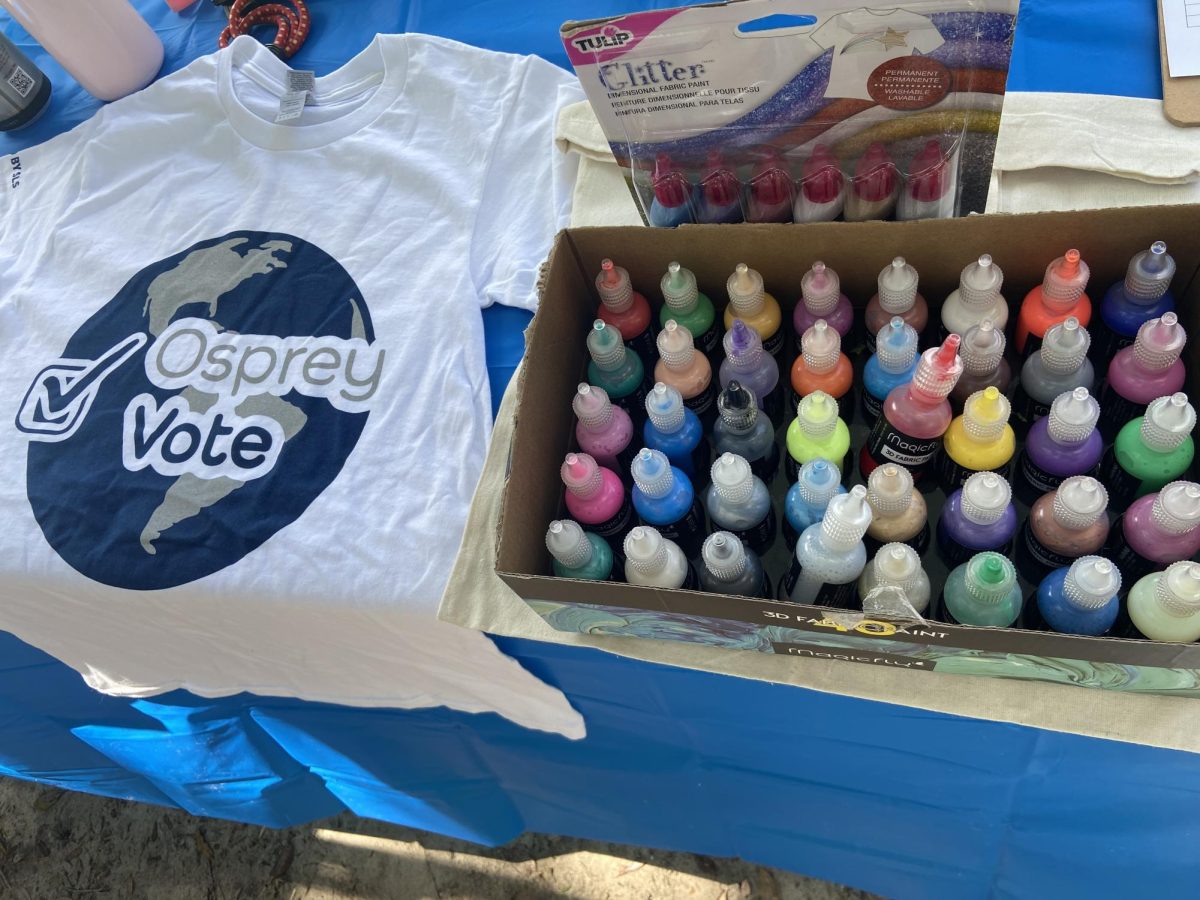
[{"x": 1181, "y": 24}]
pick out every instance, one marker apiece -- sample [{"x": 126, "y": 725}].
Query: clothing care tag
[
  {"x": 301, "y": 80},
  {"x": 291, "y": 106},
  {"x": 1181, "y": 26}
]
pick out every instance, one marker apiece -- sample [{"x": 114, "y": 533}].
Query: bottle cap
[
  {"x": 568, "y": 544},
  {"x": 821, "y": 176},
  {"x": 605, "y": 346},
  {"x": 1079, "y": 502},
  {"x": 732, "y": 478},
  {"x": 929, "y": 174},
  {"x": 1150, "y": 273},
  {"x": 670, "y": 185},
  {"x": 1178, "y": 589},
  {"x": 664, "y": 406},
  {"x": 1159, "y": 342},
  {"x": 818, "y": 481},
  {"x": 724, "y": 555},
  {"x": 1065, "y": 346},
  {"x": 743, "y": 346},
  {"x": 875, "y": 174},
  {"x": 985, "y": 415},
  {"x": 896, "y": 346},
  {"x": 721, "y": 187},
  {"x": 985, "y": 497},
  {"x": 738, "y": 407},
  {"x": 817, "y": 414},
  {"x": 652, "y": 473},
  {"x": 899, "y": 565},
  {"x": 1091, "y": 582},
  {"x": 675, "y": 346},
  {"x": 982, "y": 348},
  {"x": 980, "y": 282},
  {"x": 679, "y": 288},
  {"x": 1065, "y": 281},
  {"x": 1176, "y": 509},
  {"x": 745, "y": 288},
  {"x": 646, "y": 550},
  {"x": 897, "y": 287},
  {"x": 614, "y": 287},
  {"x": 990, "y": 577},
  {"x": 1168, "y": 422},
  {"x": 939, "y": 369},
  {"x": 820, "y": 346},
  {"x": 592, "y": 407},
  {"x": 1073, "y": 417},
  {"x": 890, "y": 490},
  {"x": 581, "y": 475},
  {"x": 847, "y": 518},
  {"x": 821, "y": 289},
  {"x": 771, "y": 183}
]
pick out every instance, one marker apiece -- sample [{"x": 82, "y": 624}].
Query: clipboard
[{"x": 1181, "y": 96}]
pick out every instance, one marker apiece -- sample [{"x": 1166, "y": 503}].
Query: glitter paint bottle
[
  {"x": 1062, "y": 526},
  {"x": 822, "y": 194},
  {"x": 1151, "y": 451},
  {"x": 578, "y": 553},
  {"x": 1157, "y": 530},
  {"x": 743, "y": 429},
  {"x": 983, "y": 591},
  {"x": 664, "y": 497},
  {"x": 771, "y": 190},
  {"x": 625, "y": 309},
  {"x": 898, "y": 566},
  {"x": 899, "y": 511},
  {"x": 979, "y": 516},
  {"x": 817, "y": 433},
  {"x": 875, "y": 187},
  {"x": 604, "y": 431},
  {"x": 689, "y": 372},
  {"x": 1081, "y": 599},
  {"x": 1059, "y": 296},
  {"x": 1144, "y": 294},
  {"x": 822, "y": 298},
  {"x": 1150, "y": 369},
  {"x": 720, "y": 193},
  {"x": 655, "y": 561},
  {"x": 818, "y": 482},
  {"x": 748, "y": 363},
  {"x": 896, "y": 296},
  {"x": 672, "y": 203},
  {"x": 1062, "y": 444},
  {"x": 822, "y": 366},
  {"x": 1165, "y": 606},
  {"x": 984, "y": 365},
  {"x": 976, "y": 298},
  {"x": 727, "y": 566},
  {"x": 830, "y": 556},
  {"x": 616, "y": 370},
  {"x": 1061, "y": 364},
  {"x": 683, "y": 302},
  {"x": 894, "y": 363},
  {"x": 752, "y": 304},
  {"x": 980, "y": 440},
  {"x": 739, "y": 502},
  {"x": 674, "y": 429},
  {"x": 596, "y": 498}
]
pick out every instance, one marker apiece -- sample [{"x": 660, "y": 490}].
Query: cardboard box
[{"x": 556, "y": 361}]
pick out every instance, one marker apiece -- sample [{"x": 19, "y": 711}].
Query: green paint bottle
[
  {"x": 684, "y": 303},
  {"x": 578, "y": 553},
  {"x": 1150, "y": 451},
  {"x": 982, "y": 591},
  {"x": 617, "y": 369},
  {"x": 1165, "y": 606}
]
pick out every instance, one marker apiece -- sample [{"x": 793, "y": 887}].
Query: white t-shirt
[
  {"x": 245, "y": 393},
  {"x": 863, "y": 39}
]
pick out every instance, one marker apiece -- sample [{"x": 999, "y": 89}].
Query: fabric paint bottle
[
  {"x": 604, "y": 431},
  {"x": 578, "y": 553},
  {"x": 931, "y": 191},
  {"x": 822, "y": 193},
  {"x": 626, "y": 310},
  {"x": 980, "y": 440},
  {"x": 1080, "y": 599},
  {"x": 674, "y": 429},
  {"x": 749, "y": 364},
  {"x": 1144, "y": 294},
  {"x": 1062, "y": 526},
  {"x": 915, "y": 415},
  {"x": 976, "y": 298},
  {"x": 744, "y": 430},
  {"x": 664, "y": 497},
  {"x": 1061, "y": 364},
  {"x": 1150, "y": 452},
  {"x": 822, "y": 366},
  {"x": 1157, "y": 530},
  {"x": 894, "y": 363},
  {"x": 720, "y": 193},
  {"x": 817, "y": 433},
  {"x": 596, "y": 498},
  {"x": 822, "y": 298},
  {"x": 1165, "y": 606},
  {"x": 689, "y": 372},
  {"x": 984, "y": 365},
  {"x": 683, "y": 302},
  {"x": 24, "y": 88},
  {"x": 726, "y": 566},
  {"x": 1150, "y": 369},
  {"x": 655, "y": 561},
  {"x": 771, "y": 190},
  {"x": 875, "y": 187},
  {"x": 830, "y": 556},
  {"x": 1062, "y": 444},
  {"x": 896, "y": 296},
  {"x": 982, "y": 591},
  {"x": 616, "y": 370},
  {"x": 749, "y": 302},
  {"x": 818, "y": 482},
  {"x": 899, "y": 513},
  {"x": 899, "y": 566},
  {"x": 979, "y": 516},
  {"x": 1059, "y": 296},
  {"x": 672, "y": 202},
  {"x": 738, "y": 501}
]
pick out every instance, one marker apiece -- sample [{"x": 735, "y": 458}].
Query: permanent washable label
[
  {"x": 646, "y": 347},
  {"x": 887, "y": 443},
  {"x": 1042, "y": 554},
  {"x": 1123, "y": 487},
  {"x": 872, "y": 406},
  {"x": 761, "y": 536},
  {"x": 702, "y": 404},
  {"x": 1039, "y": 479},
  {"x": 1117, "y": 409},
  {"x": 688, "y": 532},
  {"x": 836, "y": 596},
  {"x": 952, "y": 475},
  {"x": 291, "y": 106},
  {"x": 301, "y": 80},
  {"x": 617, "y": 526}
]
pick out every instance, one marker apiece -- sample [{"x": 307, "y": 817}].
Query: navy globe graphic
[{"x": 145, "y": 530}]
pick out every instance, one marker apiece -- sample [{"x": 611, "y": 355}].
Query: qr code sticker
[{"x": 20, "y": 81}]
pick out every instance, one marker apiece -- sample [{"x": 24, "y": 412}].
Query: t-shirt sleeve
[
  {"x": 527, "y": 187},
  {"x": 828, "y": 34}
]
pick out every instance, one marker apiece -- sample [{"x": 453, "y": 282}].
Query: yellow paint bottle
[
  {"x": 980, "y": 440},
  {"x": 818, "y": 433},
  {"x": 749, "y": 302}
]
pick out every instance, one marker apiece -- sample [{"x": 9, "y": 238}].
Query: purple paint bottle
[
  {"x": 604, "y": 431},
  {"x": 1062, "y": 444},
  {"x": 822, "y": 298},
  {"x": 980, "y": 516},
  {"x": 1150, "y": 369},
  {"x": 748, "y": 363}
]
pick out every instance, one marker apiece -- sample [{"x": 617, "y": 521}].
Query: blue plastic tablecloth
[{"x": 890, "y": 799}]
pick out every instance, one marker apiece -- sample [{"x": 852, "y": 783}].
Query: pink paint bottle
[
  {"x": 1157, "y": 530},
  {"x": 874, "y": 188},
  {"x": 1150, "y": 369},
  {"x": 604, "y": 431},
  {"x": 771, "y": 190},
  {"x": 596, "y": 498},
  {"x": 822, "y": 193},
  {"x": 823, "y": 299}
]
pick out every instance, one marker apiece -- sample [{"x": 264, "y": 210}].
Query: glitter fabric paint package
[{"x": 800, "y": 110}]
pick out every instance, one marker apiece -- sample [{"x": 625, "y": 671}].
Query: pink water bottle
[{"x": 104, "y": 44}]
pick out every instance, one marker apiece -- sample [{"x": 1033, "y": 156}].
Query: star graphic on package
[{"x": 893, "y": 38}]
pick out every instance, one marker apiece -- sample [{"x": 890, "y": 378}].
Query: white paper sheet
[{"x": 1181, "y": 22}]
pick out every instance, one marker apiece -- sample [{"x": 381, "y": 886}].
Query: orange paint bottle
[
  {"x": 822, "y": 366},
  {"x": 1057, "y": 298}
]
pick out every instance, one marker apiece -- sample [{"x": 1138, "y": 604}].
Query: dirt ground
[{"x": 56, "y": 844}]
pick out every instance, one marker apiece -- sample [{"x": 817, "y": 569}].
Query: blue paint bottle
[
  {"x": 893, "y": 363},
  {"x": 1081, "y": 599},
  {"x": 663, "y": 497},
  {"x": 675, "y": 430},
  {"x": 1144, "y": 295},
  {"x": 819, "y": 482}
]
